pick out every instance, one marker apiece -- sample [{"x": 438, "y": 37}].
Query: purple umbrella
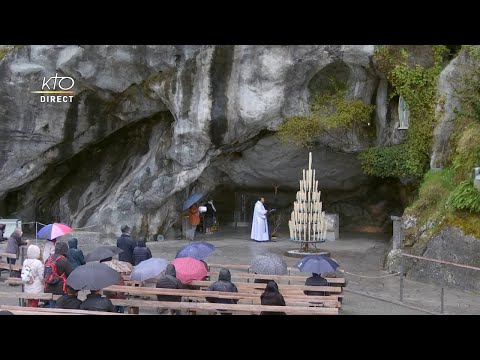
[{"x": 198, "y": 250}]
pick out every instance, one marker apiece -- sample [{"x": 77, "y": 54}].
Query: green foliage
[
  {"x": 299, "y": 130},
  {"x": 466, "y": 154},
  {"x": 448, "y": 197},
  {"x": 393, "y": 161},
  {"x": 335, "y": 111},
  {"x": 331, "y": 110},
  {"x": 465, "y": 197},
  {"x": 417, "y": 85},
  {"x": 465, "y": 221},
  {"x": 431, "y": 201}
]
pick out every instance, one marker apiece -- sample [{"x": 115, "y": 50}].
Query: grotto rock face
[{"x": 147, "y": 125}]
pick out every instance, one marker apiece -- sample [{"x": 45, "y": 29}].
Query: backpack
[
  {"x": 51, "y": 276},
  {"x": 27, "y": 275}
]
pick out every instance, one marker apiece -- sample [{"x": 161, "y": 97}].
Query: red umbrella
[{"x": 189, "y": 269}]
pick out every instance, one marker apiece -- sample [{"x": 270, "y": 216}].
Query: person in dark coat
[
  {"x": 209, "y": 216},
  {"x": 13, "y": 247},
  {"x": 96, "y": 302},
  {"x": 316, "y": 280},
  {"x": 127, "y": 244},
  {"x": 271, "y": 296},
  {"x": 63, "y": 268},
  {"x": 224, "y": 284},
  {"x": 168, "y": 280},
  {"x": 141, "y": 252},
  {"x": 70, "y": 300},
  {"x": 74, "y": 255}
]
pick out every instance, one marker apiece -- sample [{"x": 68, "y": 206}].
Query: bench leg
[{"x": 133, "y": 310}]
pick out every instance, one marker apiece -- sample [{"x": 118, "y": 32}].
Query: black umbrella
[
  {"x": 103, "y": 252},
  {"x": 92, "y": 276}
]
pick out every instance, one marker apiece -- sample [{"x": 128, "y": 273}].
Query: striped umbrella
[{"x": 52, "y": 231}]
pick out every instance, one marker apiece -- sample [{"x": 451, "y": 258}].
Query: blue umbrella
[
  {"x": 198, "y": 250},
  {"x": 316, "y": 264},
  {"x": 192, "y": 199}
]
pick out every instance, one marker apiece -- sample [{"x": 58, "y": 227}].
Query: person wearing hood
[
  {"x": 271, "y": 296},
  {"x": 70, "y": 300},
  {"x": 64, "y": 268},
  {"x": 224, "y": 284},
  {"x": 13, "y": 247},
  {"x": 32, "y": 274},
  {"x": 127, "y": 244},
  {"x": 75, "y": 255},
  {"x": 141, "y": 252},
  {"x": 168, "y": 280},
  {"x": 96, "y": 302}
]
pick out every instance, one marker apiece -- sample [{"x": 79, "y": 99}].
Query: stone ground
[{"x": 375, "y": 292}]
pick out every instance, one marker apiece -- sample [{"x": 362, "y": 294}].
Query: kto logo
[{"x": 56, "y": 85}]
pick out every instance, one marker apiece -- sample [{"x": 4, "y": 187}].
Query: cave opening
[{"x": 366, "y": 209}]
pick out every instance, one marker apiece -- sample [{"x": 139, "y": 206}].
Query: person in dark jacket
[
  {"x": 63, "y": 268},
  {"x": 271, "y": 296},
  {"x": 168, "y": 280},
  {"x": 13, "y": 247},
  {"x": 127, "y": 244},
  {"x": 96, "y": 302},
  {"x": 316, "y": 280},
  {"x": 209, "y": 216},
  {"x": 224, "y": 284},
  {"x": 141, "y": 252},
  {"x": 70, "y": 300},
  {"x": 74, "y": 255}
]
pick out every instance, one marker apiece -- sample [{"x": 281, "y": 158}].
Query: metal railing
[{"x": 442, "y": 292}]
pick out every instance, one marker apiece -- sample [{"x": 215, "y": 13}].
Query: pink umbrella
[{"x": 189, "y": 269}]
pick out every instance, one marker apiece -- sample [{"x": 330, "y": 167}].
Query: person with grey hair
[
  {"x": 127, "y": 244},
  {"x": 13, "y": 247}
]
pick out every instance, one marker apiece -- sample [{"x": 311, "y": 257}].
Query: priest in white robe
[{"x": 259, "y": 222}]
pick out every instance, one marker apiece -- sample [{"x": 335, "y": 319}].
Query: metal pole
[
  {"x": 401, "y": 278},
  {"x": 36, "y": 231},
  {"x": 442, "y": 300}
]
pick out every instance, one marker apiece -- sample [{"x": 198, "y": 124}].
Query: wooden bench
[
  {"x": 6, "y": 266},
  {"x": 232, "y": 308},
  {"x": 282, "y": 287},
  {"x": 13, "y": 281},
  {"x": 18, "y": 310},
  {"x": 289, "y": 278},
  {"x": 305, "y": 300},
  {"x": 245, "y": 267}
]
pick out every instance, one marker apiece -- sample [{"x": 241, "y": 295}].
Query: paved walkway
[{"x": 360, "y": 254}]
